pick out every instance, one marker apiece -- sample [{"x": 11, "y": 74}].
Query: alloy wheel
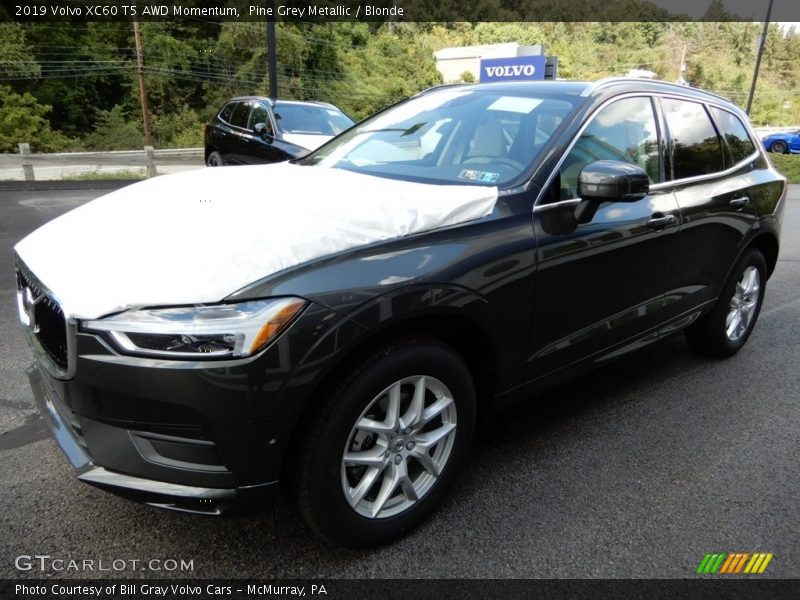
[
  {"x": 743, "y": 304},
  {"x": 779, "y": 147},
  {"x": 398, "y": 447}
]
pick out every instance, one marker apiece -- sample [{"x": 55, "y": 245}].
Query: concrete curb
[{"x": 56, "y": 184}]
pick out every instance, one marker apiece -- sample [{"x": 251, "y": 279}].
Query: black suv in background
[
  {"x": 257, "y": 130},
  {"x": 342, "y": 322}
]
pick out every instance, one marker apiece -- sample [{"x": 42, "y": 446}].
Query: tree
[
  {"x": 17, "y": 59},
  {"x": 115, "y": 130},
  {"x": 23, "y": 119}
]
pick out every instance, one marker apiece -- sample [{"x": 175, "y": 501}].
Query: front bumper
[
  {"x": 187, "y": 498},
  {"x": 186, "y": 435}
]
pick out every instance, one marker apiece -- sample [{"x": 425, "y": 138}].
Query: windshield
[
  {"x": 450, "y": 136},
  {"x": 311, "y": 120}
]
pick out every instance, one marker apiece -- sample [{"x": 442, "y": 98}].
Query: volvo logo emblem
[{"x": 27, "y": 308}]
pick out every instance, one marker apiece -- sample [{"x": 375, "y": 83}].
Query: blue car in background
[{"x": 783, "y": 142}]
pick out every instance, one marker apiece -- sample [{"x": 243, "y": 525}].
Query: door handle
[
  {"x": 660, "y": 222},
  {"x": 739, "y": 203}
]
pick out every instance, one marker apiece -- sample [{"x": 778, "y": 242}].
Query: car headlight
[{"x": 204, "y": 331}]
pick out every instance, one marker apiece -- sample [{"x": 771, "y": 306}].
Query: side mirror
[
  {"x": 261, "y": 129},
  {"x": 609, "y": 181}
]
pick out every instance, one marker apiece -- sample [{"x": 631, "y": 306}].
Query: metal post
[
  {"x": 273, "y": 60},
  {"x": 150, "y": 161},
  {"x": 758, "y": 59},
  {"x": 27, "y": 168}
]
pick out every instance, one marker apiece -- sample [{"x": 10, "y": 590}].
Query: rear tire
[
  {"x": 215, "y": 160},
  {"x": 724, "y": 330},
  {"x": 385, "y": 444}
]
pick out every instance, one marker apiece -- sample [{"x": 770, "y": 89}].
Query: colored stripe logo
[{"x": 734, "y": 563}]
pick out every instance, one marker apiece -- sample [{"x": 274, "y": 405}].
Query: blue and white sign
[{"x": 517, "y": 68}]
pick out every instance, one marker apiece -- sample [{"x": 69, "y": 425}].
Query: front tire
[
  {"x": 779, "y": 147},
  {"x": 724, "y": 330},
  {"x": 385, "y": 445}
]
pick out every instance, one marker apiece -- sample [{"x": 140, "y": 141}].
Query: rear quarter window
[
  {"x": 739, "y": 145},
  {"x": 225, "y": 113}
]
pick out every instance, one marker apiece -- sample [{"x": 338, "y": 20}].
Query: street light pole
[{"x": 758, "y": 59}]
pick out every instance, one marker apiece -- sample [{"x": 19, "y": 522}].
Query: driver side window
[
  {"x": 625, "y": 131},
  {"x": 260, "y": 114}
]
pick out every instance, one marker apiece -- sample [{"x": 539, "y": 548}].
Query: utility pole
[
  {"x": 758, "y": 59},
  {"x": 273, "y": 60},
  {"x": 148, "y": 138}
]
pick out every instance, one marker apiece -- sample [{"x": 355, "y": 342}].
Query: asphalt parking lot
[{"x": 638, "y": 470}]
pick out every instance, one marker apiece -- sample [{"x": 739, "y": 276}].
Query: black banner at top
[{"x": 31, "y": 11}]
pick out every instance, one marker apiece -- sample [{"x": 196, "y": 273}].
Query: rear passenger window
[
  {"x": 696, "y": 148},
  {"x": 739, "y": 145},
  {"x": 240, "y": 114}
]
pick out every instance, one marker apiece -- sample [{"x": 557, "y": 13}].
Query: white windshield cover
[
  {"x": 197, "y": 237},
  {"x": 309, "y": 142}
]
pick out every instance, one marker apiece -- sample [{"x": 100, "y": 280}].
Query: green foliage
[
  {"x": 81, "y": 69},
  {"x": 115, "y": 130},
  {"x": 183, "y": 129},
  {"x": 17, "y": 60},
  {"x": 99, "y": 175},
  {"x": 23, "y": 119},
  {"x": 389, "y": 68},
  {"x": 788, "y": 165},
  {"x": 81, "y": 78}
]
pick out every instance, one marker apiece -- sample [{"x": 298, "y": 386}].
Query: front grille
[{"x": 50, "y": 324}]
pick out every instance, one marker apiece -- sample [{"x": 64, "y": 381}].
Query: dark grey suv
[
  {"x": 342, "y": 323},
  {"x": 255, "y": 130}
]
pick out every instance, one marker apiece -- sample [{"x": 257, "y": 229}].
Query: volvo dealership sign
[{"x": 517, "y": 68}]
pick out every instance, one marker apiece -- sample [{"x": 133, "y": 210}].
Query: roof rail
[
  {"x": 595, "y": 85},
  {"x": 252, "y": 97},
  {"x": 320, "y": 102}
]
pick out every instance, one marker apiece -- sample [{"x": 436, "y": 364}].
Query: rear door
[
  {"x": 235, "y": 150},
  {"x": 714, "y": 187},
  {"x": 223, "y": 137},
  {"x": 601, "y": 285}
]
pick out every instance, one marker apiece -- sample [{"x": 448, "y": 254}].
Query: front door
[
  {"x": 601, "y": 284},
  {"x": 259, "y": 146}
]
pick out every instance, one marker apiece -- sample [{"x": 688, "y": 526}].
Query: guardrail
[{"x": 149, "y": 158}]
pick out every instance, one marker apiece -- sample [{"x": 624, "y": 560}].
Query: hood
[
  {"x": 306, "y": 140},
  {"x": 199, "y": 236}
]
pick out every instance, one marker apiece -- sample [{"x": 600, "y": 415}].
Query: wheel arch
[
  {"x": 460, "y": 332},
  {"x": 767, "y": 243}
]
